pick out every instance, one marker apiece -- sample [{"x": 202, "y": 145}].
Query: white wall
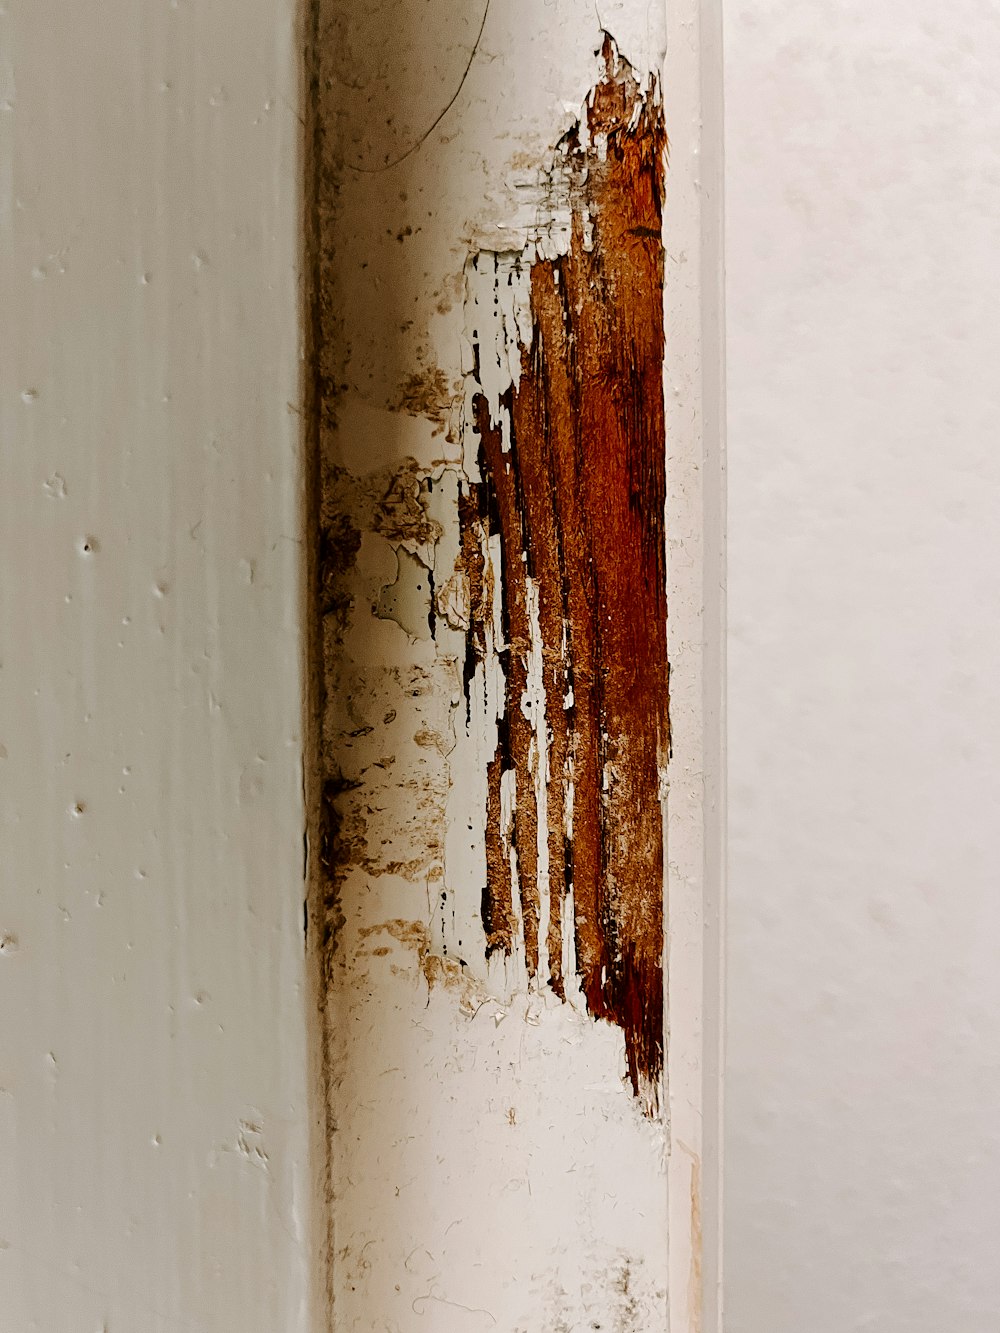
[
  {"x": 153, "y": 1113},
  {"x": 863, "y": 198}
]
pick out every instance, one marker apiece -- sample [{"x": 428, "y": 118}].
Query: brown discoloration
[
  {"x": 562, "y": 545},
  {"x": 627, "y": 1312},
  {"x": 432, "y": 740},
  {"x": 412, "y": 934},
  {"x": 517, "y": 740},
  {"x": 426, "y": 393},
  {"x": 339, "y": 543},
  {"x": 541, "y": 521},
  {"x": 447, "y": 973},
  {"x": 400, "y": 511},
  {"x": 577, "y": 499},
  {"x": 338, "y": 848},
  {"x": 474, "y": 565},
  {"x": 390, "y": 501}
]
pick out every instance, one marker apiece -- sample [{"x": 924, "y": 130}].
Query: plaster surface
[{"x": 863, "y": 191}]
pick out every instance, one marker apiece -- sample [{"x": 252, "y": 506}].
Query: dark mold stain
[
  {"x": 339, "y": 543},
  {"x": 337, "y": 850}
]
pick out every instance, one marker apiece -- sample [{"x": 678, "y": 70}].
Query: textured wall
[
  {"x": 153, "y": 1091},
  {"x": 863, "y": 191}
]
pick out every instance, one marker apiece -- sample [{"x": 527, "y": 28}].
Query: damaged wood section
[
  {"x": 485, "y": 916},
  {"x": 563, "y": 543}
]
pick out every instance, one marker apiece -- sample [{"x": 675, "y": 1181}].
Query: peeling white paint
[
  {"x": 490, "y": 1165},
  {"x": 497, "y": 326}
]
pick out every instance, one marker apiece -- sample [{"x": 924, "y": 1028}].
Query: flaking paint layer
[
  {"x": 571, "y": 457},
  {"x": 527, "y": 549},
  {"x": 462, "y": 1183}
]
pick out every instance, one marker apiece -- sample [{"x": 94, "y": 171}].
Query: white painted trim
[
  {"x": 453, "y": 1074},
  {"x": 695, "y": 401}
]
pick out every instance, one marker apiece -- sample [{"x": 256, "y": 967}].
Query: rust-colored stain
[{"x": 573, "y": 484}]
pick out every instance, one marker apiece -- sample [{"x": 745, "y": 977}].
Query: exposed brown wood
[
  {"x": 517, "y": 730},
  {"x": 577, "y": 497}
]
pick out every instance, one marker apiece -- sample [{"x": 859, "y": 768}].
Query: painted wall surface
[
  {"x": 863, "y": 197},
  {"x": 153, "y": 1090}
]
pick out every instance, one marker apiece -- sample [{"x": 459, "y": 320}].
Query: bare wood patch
[
  {"x": 551, "y": 574},
  {"x": 572, "y": 491}
]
